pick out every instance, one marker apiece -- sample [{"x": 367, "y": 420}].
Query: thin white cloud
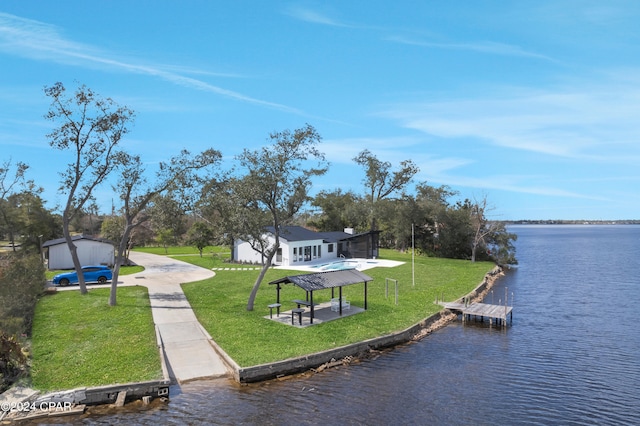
[
  {"x": 588, "y": 121},
  {"x": 312, "y": 16},
  {"x": 41, "y": 41},
  {"x": 511, "y": 183},
  {"x": 489, "y": 47}
]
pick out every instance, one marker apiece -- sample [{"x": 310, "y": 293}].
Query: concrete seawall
[{"x": 361, "y": 349}]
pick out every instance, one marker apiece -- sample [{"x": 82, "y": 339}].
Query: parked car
[{"x": 100, "y": 274}]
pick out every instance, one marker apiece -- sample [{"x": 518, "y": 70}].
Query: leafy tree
[
  {"x": 35, "y": 221},
  {"x": 500, "y": 245},
  {"x": 167, "y": 218},
  {"x": 9, "y": 184},
  {"x": 91, "y": 127},
  {"x": 179, "y": 174},
  {"x": 455, "y": 232},
  {"x": 339, "y": 210},
  {"x": 112, "y": 228},
  {"x": 225, "y": 209},
  {"x": 276, "y": 186},
  {"x": 490, "y": 235},
  {"x": 200, "y": 235},
  {"x": 433, "y": 203},
  {"x": 87, "y": 221},
  {"x": 380, "y": 181},
  {"x": 165, "y": 238}
]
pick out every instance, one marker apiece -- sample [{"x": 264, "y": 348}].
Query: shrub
[
  {"x": 13, "y": 361},
  {"x": 22, "y": 280}
]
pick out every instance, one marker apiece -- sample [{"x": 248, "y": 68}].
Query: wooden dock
[{"x": 500, "y": 313}]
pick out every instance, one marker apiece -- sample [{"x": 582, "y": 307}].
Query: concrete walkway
[
  {"x": 189, "y": 354},
  {"x": 188, "y": 351}
]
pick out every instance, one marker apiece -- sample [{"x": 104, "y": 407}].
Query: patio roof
[
  {"x": 321, "y": 281},
  {"x": 324, "y": 280}
]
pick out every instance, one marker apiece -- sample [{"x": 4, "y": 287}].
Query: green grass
[
  {"x": 181, "y": 250},
  {"x": 78, "y": 340},
  {"x": 250, "y": 339},
  {"x": 212, "y": 257}
]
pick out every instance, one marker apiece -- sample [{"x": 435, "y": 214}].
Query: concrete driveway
[{"x": 189, "y": 354}]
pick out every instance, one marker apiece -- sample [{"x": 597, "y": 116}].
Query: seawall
[{"x": 356, "y": 350}]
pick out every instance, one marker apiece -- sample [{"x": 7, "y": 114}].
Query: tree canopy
[
  {"x": 274, "y": 186},
  {"x": 91, "y": 127}
]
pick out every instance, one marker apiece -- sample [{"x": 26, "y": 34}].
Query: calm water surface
[{"x": 571, "y": 356}]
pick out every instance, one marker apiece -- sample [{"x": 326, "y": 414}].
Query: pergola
[{"x": 322, "y": 281}]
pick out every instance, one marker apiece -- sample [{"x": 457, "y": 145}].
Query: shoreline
[
  {"x": 360, "y": 350},
  {"x": 289, "y": 368}
]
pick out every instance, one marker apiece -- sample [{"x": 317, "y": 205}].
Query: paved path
[{"x": 189, "y": 354}]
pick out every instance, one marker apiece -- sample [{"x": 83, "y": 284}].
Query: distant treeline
[{"x": 574, "y": 222}]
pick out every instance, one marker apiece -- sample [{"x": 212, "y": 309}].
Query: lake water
[{"x": 570, "y": 357}]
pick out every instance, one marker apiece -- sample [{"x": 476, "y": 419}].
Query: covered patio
[{"x": 323, "y": 281}]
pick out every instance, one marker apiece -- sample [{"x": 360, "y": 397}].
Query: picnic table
[{"x": 300, "y": 303}]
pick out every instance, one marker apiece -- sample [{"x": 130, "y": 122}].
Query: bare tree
[
  {"x": 490, "y": 235},
  {"x": 482, "y": 226},
  {"x": 276, "y": 187},
  {"x": 136, "y": 194},
  {"x": 91, "y": 128}
]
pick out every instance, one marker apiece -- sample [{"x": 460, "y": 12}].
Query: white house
[
  {"x": 91, "y": 251},
  {"x": 299, "y": 245}
]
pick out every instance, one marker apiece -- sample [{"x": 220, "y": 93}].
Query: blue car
[{"x": 100, "y": 274}]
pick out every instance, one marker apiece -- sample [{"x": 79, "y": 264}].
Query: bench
[
  {"x": 335, "y": 304},
  {"x": 274, "y": 305},
  {"x": 297, "y": 311}
]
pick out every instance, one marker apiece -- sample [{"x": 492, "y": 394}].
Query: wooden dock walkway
[{"x": 482, "y": 310}]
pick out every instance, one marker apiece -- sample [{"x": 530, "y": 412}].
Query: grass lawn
[
  {"x": 183, "y": 250},
  {"x": 212, "y": 256},
  {"x": 79, "y": 340},
  {"x": 250, "y": 339}
]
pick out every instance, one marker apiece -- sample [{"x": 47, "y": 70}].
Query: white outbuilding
[{"x": 91, "y": 251}]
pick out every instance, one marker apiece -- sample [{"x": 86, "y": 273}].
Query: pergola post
[{"x": 365, "y": 295}]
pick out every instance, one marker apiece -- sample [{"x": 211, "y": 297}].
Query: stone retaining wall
[{"x": 304, "y": 363}]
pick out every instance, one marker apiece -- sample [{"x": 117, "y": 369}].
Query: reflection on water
[{"x": 570, "y": 357}]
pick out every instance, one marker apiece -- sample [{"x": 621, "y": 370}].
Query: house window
[
  {"x": 319, "y": 251},
  {"x": 279, "y": 255},
  {"x": 295, "y": 254},
  {"x": 307, "y": 253},
  {"x": 315, "y": 251},
  {"x": 330, "y": 248}
]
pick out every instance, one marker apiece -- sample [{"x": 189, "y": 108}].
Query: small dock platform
[{"x": 500, "y": 313}]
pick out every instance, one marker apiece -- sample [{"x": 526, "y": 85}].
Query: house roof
[
  {"x": 299, "y": 233},
  {"x": 324, "y": 280},
  {"x": 296, "y": 233},
  {"x": 335, "y": 236},
  {"x": 59, "y": 241}
]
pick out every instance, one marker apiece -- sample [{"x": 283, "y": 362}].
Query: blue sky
[{"x": 534, "y": 105}]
